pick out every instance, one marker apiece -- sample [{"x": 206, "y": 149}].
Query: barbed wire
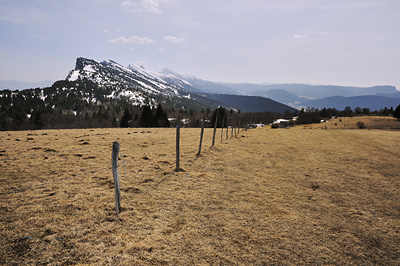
[{"x": 22, "y": 189}]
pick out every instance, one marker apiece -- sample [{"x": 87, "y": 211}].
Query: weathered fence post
[
  {"x": 114, "y": 161},
  {"x": 232, "y": 132},
  {"x": 177, "y": 147},
  {"x": 201, "y": 135},
  {"x": 215, "y": 129},
  {"x": 222, "y": 127}
]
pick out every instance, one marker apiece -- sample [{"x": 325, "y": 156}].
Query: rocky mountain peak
[{"x": 81, "y": 62}]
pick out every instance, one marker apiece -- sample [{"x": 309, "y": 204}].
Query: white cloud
[
  {"x": 162, "y": 50},
  {"x": 107, "y": 30},
  {"x": 300, "y": 36},
  {"x": 309, "y": 35},
  {"x": 133, "y": 39},
  {"x": 149, "y": 6},
  {"x": 173, "y": 39}
]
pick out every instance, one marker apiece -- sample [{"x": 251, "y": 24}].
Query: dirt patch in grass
[{"x": 281, "y": 196}]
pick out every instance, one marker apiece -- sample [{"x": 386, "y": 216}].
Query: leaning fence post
[
  {"x": 177, "y": 147},
  {"x": 215, "y": 129},
  {"x": 114, "y": 161},
  {"x": 201, "y": 135}
]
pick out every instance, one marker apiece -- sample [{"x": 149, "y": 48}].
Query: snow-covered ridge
[
  {"x": 133, "y": 78},
  {"x": 134, "y": 84}
]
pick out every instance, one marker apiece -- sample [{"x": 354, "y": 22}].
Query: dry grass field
[
  {"x": 295, "y": 196},
  {"x": 370, "y": 122}
]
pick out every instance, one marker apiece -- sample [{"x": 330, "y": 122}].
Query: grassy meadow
[{"x": 304, "y": 195}]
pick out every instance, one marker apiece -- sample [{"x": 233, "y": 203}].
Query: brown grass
[
  {"x": 371, "y": 122},
  {"x": 267, "y": 196}
]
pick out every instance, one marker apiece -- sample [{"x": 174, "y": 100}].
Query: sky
[{"x": 331, "y": 42}]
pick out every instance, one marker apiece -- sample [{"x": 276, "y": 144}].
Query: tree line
[
  {"x": 312, "y": 115},
  {"x": 83, "y": 105}
]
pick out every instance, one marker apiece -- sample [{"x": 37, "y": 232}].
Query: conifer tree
[
  {"x": 220, "y": 112},
  {"x": 396, "y": 112},
  {"x": 161, "y": 118},
  {"x": 147, "y": 117},
  {"x": 126, "y": 117}
]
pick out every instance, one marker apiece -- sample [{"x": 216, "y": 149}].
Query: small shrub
[
  {"x": 361, "y": 125},
  {"x": 275, "y": 126}
]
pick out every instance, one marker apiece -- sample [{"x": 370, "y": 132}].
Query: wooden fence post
[
  {"x": 201, "y": 135},
  {"x": 215, "y": 129},
  {"x": 114, "y": 161},
  {"x": 232, "y": 132},
  {"x": 177, "y": 147},
  {"x": 222, "y": 127}
]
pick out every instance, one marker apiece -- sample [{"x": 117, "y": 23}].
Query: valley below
[{"x": 324, "y": 194}]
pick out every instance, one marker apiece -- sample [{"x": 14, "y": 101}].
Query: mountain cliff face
[{"x": 132, "y": 83}]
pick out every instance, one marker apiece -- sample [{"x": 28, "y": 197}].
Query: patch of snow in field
[{"x": 278, "y": 121}]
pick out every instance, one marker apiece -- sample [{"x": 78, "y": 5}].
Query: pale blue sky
[{"x": 341, "y": 42}]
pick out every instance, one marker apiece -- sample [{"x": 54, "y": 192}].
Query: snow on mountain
[
  {"x": 132, "y": 82},
  {"x": 194, "y": 84}
]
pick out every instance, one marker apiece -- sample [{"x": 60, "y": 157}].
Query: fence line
[{"x": 114, "y": 167}]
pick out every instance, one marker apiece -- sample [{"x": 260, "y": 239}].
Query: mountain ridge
[
  {"x": 137, "y": 83},
  {"x": 373, "y": 102},
  {"x": 138, "y": 86}
]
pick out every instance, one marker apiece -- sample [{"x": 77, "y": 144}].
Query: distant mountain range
[
  {"x": 135, "y": 84},
  {"x": 20, "y": 85},
  {"x": 250, "y": 103},
  {"x": 374, "y": 102},
  {"x": 175, "y": 90},
  {"x": 320, "y": 96}
]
